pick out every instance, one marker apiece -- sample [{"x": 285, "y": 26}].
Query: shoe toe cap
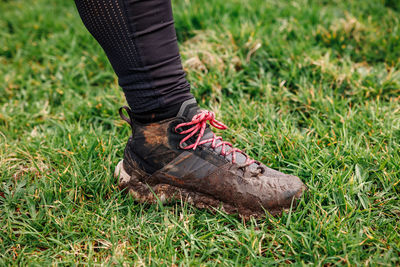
[{"x": 280, "y": 190}]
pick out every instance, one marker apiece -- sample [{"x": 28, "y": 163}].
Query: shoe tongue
[{"x": 188, "y": 109}]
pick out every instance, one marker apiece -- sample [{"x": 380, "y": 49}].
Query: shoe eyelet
[{"x": 179, "y": 147}]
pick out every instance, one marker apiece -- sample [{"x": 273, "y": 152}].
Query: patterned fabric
[{"x": 139, "y": 39}]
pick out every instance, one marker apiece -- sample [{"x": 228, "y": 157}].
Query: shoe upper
[{"x": 184, "y": 152}]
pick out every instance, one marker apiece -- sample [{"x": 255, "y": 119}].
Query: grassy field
[{"x": 309, "y": 87}]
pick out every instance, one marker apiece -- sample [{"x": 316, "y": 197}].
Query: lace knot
[{"x": 198, "y": 125}]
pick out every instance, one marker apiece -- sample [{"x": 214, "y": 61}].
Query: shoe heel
[
  {"x": 139, "y": 191},
  {"x": 120, "y": 173}
]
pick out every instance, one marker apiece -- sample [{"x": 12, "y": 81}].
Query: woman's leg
[{"x": 139, "y": 39}]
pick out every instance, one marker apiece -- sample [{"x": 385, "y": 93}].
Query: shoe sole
[{"x": 165, "y": 193}]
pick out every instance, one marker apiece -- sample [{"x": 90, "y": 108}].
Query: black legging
[{"x": 139, "y": 39}]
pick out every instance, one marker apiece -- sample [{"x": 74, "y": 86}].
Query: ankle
[{"x": 157, "y": 114}]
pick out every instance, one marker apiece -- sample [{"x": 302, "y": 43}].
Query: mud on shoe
[{"x": 181, "y": 158}]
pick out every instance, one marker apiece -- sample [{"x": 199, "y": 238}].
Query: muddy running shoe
[{"x": 181, "y": 158}]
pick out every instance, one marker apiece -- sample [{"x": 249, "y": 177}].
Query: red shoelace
[{"x": 199, "y": 122}]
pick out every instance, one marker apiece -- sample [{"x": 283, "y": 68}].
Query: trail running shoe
[{"x": 181, "y": 158}]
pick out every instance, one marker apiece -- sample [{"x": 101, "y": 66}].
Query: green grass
[{"x": 309, "y": 87}]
